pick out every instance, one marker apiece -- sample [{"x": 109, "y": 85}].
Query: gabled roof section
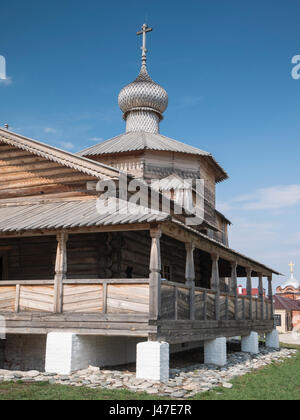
[
  {"x": 139, "y": 141},
  {"x": 59, "y": 156}
]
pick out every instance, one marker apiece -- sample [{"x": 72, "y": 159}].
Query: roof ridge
[
  {"x": 181, "y": 142},
  {"x": 61, "y": 156}
]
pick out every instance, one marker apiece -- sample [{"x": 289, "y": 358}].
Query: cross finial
[
  {"x": 145, "y": 29},
  {"x": 292, "y": 265}
]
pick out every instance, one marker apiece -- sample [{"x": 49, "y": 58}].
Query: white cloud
[
  {"x": 273, "y": 198},
  {"x": 67, "y": 145},
  {"x": 50, "y": 130}
]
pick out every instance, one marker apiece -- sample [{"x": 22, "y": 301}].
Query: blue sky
[{"x": 226, "y": 66}]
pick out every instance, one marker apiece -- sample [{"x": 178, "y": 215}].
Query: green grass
[
  {"x": 278, "y": 381},
  {"x": 43, "y": 391}
]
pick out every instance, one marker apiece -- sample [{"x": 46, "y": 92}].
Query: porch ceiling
[{"x": 185, "y": 233}]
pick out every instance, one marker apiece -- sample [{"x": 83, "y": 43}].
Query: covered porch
[{"x": 158, "y": 282}]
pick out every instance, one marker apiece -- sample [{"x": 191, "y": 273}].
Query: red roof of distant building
[
  {"x": 286, "y": 304},
  {"x": 255, "y": 292}
]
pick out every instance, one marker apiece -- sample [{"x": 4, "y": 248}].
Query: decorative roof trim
[{"x": 74, "y": 161}]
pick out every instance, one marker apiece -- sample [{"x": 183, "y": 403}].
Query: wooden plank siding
[
  {"x": 131, "y": 299},
  {"x": 36, "y": 298},
  {"x": 83, "y": 298},
  {"x": 25, "y": 174}
]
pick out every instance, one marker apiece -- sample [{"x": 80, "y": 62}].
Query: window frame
[{"x": 169, "y": 272}]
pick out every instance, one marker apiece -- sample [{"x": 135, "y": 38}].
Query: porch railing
[
  {"x": 182, "y": 302},
  {"x": 107, "y": 296},
  {"x": 131, "y": 296}
]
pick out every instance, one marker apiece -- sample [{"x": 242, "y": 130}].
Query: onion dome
[
  {"x": 292, "y": 282},
  {"x": 143, "y": 93},
  {"x": 143, "y": 101}
]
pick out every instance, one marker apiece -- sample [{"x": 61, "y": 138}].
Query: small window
[
  {"x": 167, "y": 272},
  {"x": 278, "y": 321},
  {"x": 3, "y": 267},
  {"x": 129, "y": 271}
]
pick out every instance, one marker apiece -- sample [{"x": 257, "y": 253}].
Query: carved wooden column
[
  {"x": 215, "y": 282},
  {"x": 249, "y": 290},
  {"x": 190, "y": 276},
  {"x": 270, "y": 293},
  {"x": 261, "y": 295},
  {"x": 234, "y": 290},
  {"x": 155, "y": 274},
  {"x": 60, "y": 271}
]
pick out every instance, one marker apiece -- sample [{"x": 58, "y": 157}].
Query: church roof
[
  {"x": 71, "y": 160},
  {"x": 292, "y": 282},
  {"x": 141, "y": 141},
  {"x": 72, "y": 214},
  {"x": 282, "y": 303}
]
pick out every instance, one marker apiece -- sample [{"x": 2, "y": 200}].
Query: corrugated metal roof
[
  {"x": 72, "y": 214},
  {"x": 135, "y": 141},
  {"x": 71, "y": 160}
]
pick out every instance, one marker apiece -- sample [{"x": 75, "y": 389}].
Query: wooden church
[{"x": 80, "y": 287}]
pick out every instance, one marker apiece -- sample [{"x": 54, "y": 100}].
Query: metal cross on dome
[
  {"x": 145, "y": 29},
  {"x": 292, "y": 265}
]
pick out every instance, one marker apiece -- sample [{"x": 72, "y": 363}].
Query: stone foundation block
[
  {"x": 215, "y": 352},
  {"x": 153, "y": 361}
]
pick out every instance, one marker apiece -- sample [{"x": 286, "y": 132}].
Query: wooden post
[
  {"x": 190, "y": 276},
  {"x": 17, "y": 301},
  {"x": 155, "y": 274},
  {"x": 270, "y": 293},
  {"x": 215, "y": 283},
  {"x": 234, "y": 290},
  {"x": 261, "y": 296},
  {"x": 249, "y": 290},
  {"x": 60, "y": 271}
]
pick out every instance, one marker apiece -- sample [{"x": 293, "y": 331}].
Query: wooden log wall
[
  {"x": 100, "y": 255},
  {"x": 24, "y": 174},
  {"x": 30, "y": 258},
  {"x": 95, "y": 255}
]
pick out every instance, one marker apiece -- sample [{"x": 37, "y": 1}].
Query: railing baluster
[
  {"x": 17, "y": 301},
  {"x": 176, "y": 303},
  {"x": 205, "y": 306},
  {"x": 192, "y": 302},
  {"x": 105, "y": 298},
  {"x": 227, "y": 308}
]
